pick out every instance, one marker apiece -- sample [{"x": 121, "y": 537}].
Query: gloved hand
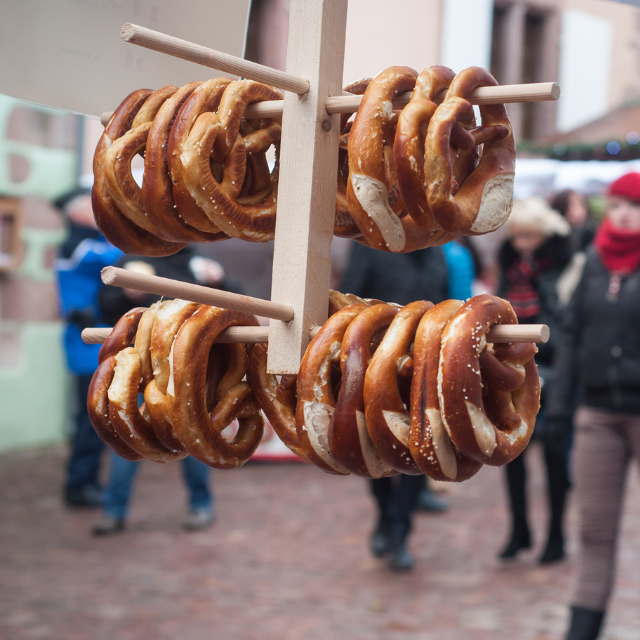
[{"x": 83, "y": 318}]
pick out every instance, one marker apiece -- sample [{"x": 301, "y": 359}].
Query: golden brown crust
[
  {"x": 484, "y": 422},
  {"x": 122, "y": 335},
  {"x": 429, "y": 443},
  {"x": 98, "y": 409},
  {"x": 204, "y": 98},
  {"x": 484, "y": 199},
  {"x": 278, "y": 404},
  {"x": 218, "y": 136},
  {"x": 316, "y": 400},
  {"x": 111, "y": 221},
  {"x": 387, "y": 416},
  {"x": 196, "y": 426},
  {"x": 349, "y": 437},
  {"x": 157, "y": 187}
]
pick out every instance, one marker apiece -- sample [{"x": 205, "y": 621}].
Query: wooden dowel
[
  {"x": 195, "y": 293},
  {"x": 503, "y": 94},
  {"x": 499, "y": 333},
  {"x": 163, "y": 43}
]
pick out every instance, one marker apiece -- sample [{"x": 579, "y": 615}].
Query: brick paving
[{"x": 287, "y": 560}]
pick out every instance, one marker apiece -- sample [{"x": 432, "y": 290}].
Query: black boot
[
  {"x": 585, "y": 624},
  {"x": 381, "y": 541},
  {"x": 400, "y": 558},
  {"x": 557, "y": 487},
  {"x": 516, "y": 485}
]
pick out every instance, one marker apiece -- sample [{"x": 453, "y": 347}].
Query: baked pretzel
[
  {"x": 373, "y": 196},
  {"x": 204, "y": 98},
  {"x": 122, "y": 335},
  {"x": 196, "y": 425},
  {"x": 483, "y": 201},
  {"x": 168, "y": 317},
  {"x": 113, "y": 176},
  {"x": 217, "y": 135},
  {"x": 131, "y": 423},
  {"x": 386, "y": 410},
  {"x": 157, "y": 188},
  {"x": 429, "y": 443},
  {"x": 489, "y": 401},
  {"x": 98, "y": 410},
  {"x": 276, "y": 399},
  {"x": 316, "y": 397},
  {"x": 408, "y": 146},
  {"x": 349, "y": 440}
]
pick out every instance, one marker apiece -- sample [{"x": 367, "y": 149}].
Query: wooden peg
[
  {"x": 499, "y": 333},
  {"x": 195, "y": 293},
  {"x": 178, "y": 48},
  {"x": 503, "y": 94}
]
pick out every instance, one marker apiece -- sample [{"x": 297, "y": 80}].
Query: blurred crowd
[{"x": 554, "y": 261}]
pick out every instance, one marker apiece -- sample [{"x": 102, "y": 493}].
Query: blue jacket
[{"x": 82, "y": 257}]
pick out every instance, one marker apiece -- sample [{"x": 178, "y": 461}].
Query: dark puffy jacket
[
  {"x": 598, "y": 353},
  {"x": 396, "y": 277}
]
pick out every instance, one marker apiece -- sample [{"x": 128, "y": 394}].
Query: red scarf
[{"x": 619, "y": 250}]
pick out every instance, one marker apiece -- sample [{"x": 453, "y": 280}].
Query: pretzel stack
[
  {"x": 407, "y": 179},
  {"x": 193, "y": 389}
]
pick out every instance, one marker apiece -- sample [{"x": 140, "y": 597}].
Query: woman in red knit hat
[{"x": 598, "y": 369}]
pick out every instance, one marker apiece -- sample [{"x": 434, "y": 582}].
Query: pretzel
[
  {"x": 157, "y": 189},
  {"x": 136, "y": 109},
  {"x": 408, "y": 146},
  {"x": 429, "y": 443},
  {"x": 122, "y": 335},
  {"x": 344, "y": 224},
  {"x": 373, "y": 196},
  {"x": 204, "y": 98},
  {"x": 489, "y": 401},
  {"x": 218, "y": 135},
  {"x": 168, "y": 317},
  {"x": 98, "y": 409},
  {"x": 196, "y": 426},
  {"x": 316, "y": 399},
  {"x": 386, "y": 412},
  {"x": 276, "y": 399},
  {"x": 132, "y": 424},
  {"x": 349, "y": 440},
  {"x": 483, "y": 201}
]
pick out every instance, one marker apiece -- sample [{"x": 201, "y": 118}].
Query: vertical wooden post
[{"x": 307, "y": 184}]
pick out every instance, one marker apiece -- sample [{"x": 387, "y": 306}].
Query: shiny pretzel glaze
[
  {"x": 493, "y": 428},
  {"x": 429, "y": 442}
]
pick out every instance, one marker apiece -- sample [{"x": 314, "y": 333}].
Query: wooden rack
[{"x": 308, "y": 168}]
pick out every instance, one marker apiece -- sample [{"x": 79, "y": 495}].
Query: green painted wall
[{"x": 34, "y": 393}]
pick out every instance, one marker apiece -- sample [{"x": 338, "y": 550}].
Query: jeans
[
  {"x": 122, "y": 474},
  {"x": 86, "y": 446}
]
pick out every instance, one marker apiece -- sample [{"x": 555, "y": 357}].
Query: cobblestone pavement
[{"x": 287, "y": 559}]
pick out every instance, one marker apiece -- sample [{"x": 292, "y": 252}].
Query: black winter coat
[
  {"x": 598, "y": 354},
  {"x": 396, "y": 277}
]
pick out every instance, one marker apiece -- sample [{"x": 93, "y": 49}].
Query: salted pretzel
[
  {"x": 115, "y": 196},
  {"x": 373, "y": 196},
  {"x": 386, "y": 407},
  {"x": 168, "y": 317},
  {"x": 157, "y": 187},
  {"x": 112, "y": 400},
  {"x": 218, "y": 136},
  {"x": 483, "y": 201},
  {"x": 489, "y": 398},
  {"x": 349, "y": 440},
  {"x": 344, "y": 225},
  {"x": 204, "y": 98},
  {"x": 408, "y": 146},
  {"x": 315, "y": 390},
  {"x": 276, "y": 398},
  {"x": 429, "y": 443},
  {"x": 197, "y": 426}
]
